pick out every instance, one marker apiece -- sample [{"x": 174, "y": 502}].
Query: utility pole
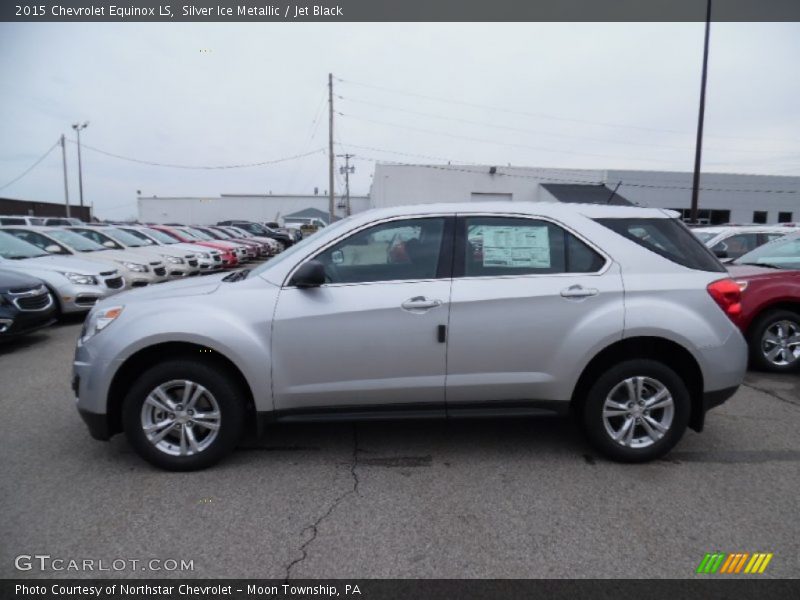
[
  {"x": 330, "y": 147},
  {"x": 64, "y": 162},
  {"x": 347, "y": 169},
  {"x": 77, "y": 127},
  {"x": 700, "y": 118}
]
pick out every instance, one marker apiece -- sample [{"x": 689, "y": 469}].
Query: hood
[
  {"x": 71, "y": 264},
  {"x": 114, "y": 256},
  {"x": 186, "y": 247},
  {"x": 10, "y": 280},
  {"x": 754, "y": 271},
  {"x": 180, "y": 287}
]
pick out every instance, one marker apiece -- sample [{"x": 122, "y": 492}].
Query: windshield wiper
[{"x": 237, "y": 275}]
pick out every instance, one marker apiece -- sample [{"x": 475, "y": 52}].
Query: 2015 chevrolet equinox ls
[{"x": 615, "y": 314}]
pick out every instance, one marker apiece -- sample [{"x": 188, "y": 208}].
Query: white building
[
  {"x": 736, "y": 198},
  {"x": 251, "y": 207},
  {"x": 724, "y": 197}
]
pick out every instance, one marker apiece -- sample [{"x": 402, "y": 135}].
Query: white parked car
[{"x": 729, "y": 242}]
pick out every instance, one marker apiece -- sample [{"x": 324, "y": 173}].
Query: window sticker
[{"x": 522, "y": 247}]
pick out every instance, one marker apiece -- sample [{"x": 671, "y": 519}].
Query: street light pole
[
  {"x": 66, "y": 187},
  {"x": 77, "y": 127},
  {"x": 700, "y": 118}
]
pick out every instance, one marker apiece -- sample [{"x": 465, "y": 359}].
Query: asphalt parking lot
[{"x": 491, "y": 499}]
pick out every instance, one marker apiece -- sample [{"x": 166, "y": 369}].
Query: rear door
[{"x": 529, "y": 301}]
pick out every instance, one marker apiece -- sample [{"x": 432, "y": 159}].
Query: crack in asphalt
[
  {"x": 314, "y": 527},
  {"x": 769, "y": 393}
]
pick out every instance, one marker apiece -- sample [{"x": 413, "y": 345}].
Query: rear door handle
[
  {"x": 418, "y": 303},
  {"x": 578, "y": 291}
]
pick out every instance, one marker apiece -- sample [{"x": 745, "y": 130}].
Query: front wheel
[
  {"x": 774, "y": 341},
  {"x": 636, "y": 411},
  {"x": 183, "y": 415}
]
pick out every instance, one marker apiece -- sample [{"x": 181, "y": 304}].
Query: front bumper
[
  {"x": 98, "y": 425},
  {"x": 74, "y": 298}
]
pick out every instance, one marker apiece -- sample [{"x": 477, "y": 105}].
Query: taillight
[{"x": 727, "y": 293}]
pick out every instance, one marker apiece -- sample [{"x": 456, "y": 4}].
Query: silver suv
[{"x": 617, "y": 315}]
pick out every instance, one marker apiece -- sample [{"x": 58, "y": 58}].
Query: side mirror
[
  {"x": 53, "y": 249},
  {"x": 720, "y": 253},
  {"x": 109, "y": 244},
  {"x": 309, "y": 275}
]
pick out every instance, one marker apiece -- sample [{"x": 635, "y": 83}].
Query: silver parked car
[
  {"x": 76, "y": 284},
  {"x": 618, "y": 315},
  {"x": 135, "y": 268}
]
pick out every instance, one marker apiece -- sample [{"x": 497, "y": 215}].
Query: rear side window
[
  {"x": 501, "y": 246},
  {"x": 12, "y": 221},
  {"x": 668, "y": 238}
]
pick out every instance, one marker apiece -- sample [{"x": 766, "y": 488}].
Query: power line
[
  {"x": 510, "y": 144},
  {"x": 546, "y": 133},
  {"x": 545, "y": 116},
  {"x": 199, "y": 167},
  {"x": 32, "y": 167}
]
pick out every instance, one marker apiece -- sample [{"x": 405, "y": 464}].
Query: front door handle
[
  {"x": 418, "y": 303},
  {"x": 578, "y": 291}
]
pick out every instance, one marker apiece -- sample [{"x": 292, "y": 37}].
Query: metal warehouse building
[
  {"x": 735, "y": 198},
  {"x": 724, "y": 197}
]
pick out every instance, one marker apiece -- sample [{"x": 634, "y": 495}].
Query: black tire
[
  {"x": 755, "y": 341},
  {"x": 594, "y": 423},
  {"x": 229, "y": 397}
]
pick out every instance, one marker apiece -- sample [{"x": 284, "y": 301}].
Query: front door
[{"x": 372, "y": 336}]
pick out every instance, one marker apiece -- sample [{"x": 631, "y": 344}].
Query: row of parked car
[{"x": 57, "y": 266}]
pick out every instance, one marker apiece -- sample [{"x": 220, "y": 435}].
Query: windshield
[
  {"x": 125, "y": 238},
  {"x": 223, "y": 233},
  {"x": 14, "y": 248},
  {"x": 140, "y": 236},
  {"x": 704, "y": 236},
  {"x": 239, "y": 232},
  {"x": 161, "y": 236},
  {"x": 75, "y": 240},
  {"x": 782, "y": 253},
  {"x": 299, "y": 247},
  {"x": 194, "y": 234},
  {"x": 213, "y": 234}
]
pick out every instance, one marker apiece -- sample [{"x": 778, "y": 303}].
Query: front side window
[
  {"x": 498, "y": 246},
  {"x": 394, "y": 251},
  {"x": 736, "y": 245}
]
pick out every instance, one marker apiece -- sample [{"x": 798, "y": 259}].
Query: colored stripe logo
[{"x": 737, "y": 562}]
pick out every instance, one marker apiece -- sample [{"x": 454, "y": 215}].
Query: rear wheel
[
  {"x": 636, "y": 411},
  {"x": 774, "y": 341},
  {"x": 183, "y": 415}
]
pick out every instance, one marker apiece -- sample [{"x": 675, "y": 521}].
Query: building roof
[
  {"x": 310, "y": 213},
  {"x": 585, "y": 194}
]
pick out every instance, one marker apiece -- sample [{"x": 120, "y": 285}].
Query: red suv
[
  {"x": 770, "y": 317},
  {"x": 229, "y": 259}
]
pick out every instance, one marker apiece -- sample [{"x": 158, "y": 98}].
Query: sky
[{"x": 569, "y": 95}]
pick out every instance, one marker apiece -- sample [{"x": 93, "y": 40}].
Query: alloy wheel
[
  {"x": 780, "y": 343},
  {"x": 180, "y": 418},
  {"x": 638, "y": 412}
]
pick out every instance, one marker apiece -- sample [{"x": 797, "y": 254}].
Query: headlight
[
  {"x": 99, "y": 320},
  {"x": 205, "y": 255},
  {"x": 174, "y": 260},
  {"x": 136, "y": 267},
  {"x": 80, "y": 279}
]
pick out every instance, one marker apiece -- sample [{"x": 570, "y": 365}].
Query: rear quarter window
[{"x": 668, "y": 238}]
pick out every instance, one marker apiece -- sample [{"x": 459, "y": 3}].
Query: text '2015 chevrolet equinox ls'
[{"x": 617, "y": 315}]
